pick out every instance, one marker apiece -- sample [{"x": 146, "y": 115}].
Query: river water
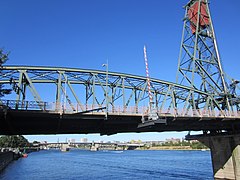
[{"x": 83, "y": 164}]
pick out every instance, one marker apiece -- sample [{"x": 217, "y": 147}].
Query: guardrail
[
  {"x": 24, "y": 105},
  {"x": 114, "y": 110}
]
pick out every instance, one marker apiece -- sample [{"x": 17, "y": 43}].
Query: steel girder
[
  {"x": 199, "y": 64},
  {"x": 87, "y": 89}
]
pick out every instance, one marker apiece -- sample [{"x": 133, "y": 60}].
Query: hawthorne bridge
[
  {"x": 80, "y": 105},
  {"x": 56, "y": 100}
]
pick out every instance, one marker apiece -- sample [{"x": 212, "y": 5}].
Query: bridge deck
[{"x": 42, "y": 122}]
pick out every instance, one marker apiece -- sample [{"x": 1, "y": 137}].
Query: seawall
[{"x": 5, "y": 159}]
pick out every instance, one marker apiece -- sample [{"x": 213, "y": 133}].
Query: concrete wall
[
  {"x": 5, "y": 159},
  {"x": 225, "y": 152}
]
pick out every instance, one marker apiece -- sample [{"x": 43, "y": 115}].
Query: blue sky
[{"x": 84, "y": 33}]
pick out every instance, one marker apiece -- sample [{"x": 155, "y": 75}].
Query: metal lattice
[
  {"x": 199, "y": 60},
  {"x": 86, "y": 90},
  {"x": 202, "y": 87}
]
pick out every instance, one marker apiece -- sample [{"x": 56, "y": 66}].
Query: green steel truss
[
  {"x": 201, "y": 83},
  {"x": 199, "y": 64},
  {"x": 87, "y": 89}
]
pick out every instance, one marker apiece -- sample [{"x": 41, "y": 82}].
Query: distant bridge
[{"x": 92, "y": 145}]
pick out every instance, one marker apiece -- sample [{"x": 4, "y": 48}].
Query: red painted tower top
[{"x": 198, "y": 15}]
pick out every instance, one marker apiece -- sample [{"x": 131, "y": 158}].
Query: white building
[{"x": 83, "y": 140}]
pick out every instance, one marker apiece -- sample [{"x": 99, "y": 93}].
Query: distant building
[
  {"x": 153, "y": 143},
  {"x": 72, "y": 140},
  {"x": 83, "y": 140},
  {"x": 193, "y": 141},
  {"x": 135, "y": 142},
  {"x": 173, "y": 140}
]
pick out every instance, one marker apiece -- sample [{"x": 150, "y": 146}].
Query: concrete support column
[
  {"x": 94, "y": 147},
  {"x": 225, "y": 152},
  {"x": 236, "y": 158},
  {"x": 64, "y": 147}
]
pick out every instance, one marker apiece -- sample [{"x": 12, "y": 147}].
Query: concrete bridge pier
[
  {"x": 94, "y": 147},
  {"x": 225, "y": 153},
  {"x": 64, "y": 147}
]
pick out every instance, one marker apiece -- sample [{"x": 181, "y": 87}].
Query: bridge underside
[{"x": 14, "y": 122}]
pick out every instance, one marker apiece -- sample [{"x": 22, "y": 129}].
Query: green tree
[
  {"x": 16, "y": 141},
  {"x": 198, "y": 145},
  {"x": 3, "y": 59},
  {"x": 4, "y": 91}
]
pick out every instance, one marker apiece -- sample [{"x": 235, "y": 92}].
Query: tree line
[
  {"x": 15, "y": 141},
  {"x": 192, "y": 144}
]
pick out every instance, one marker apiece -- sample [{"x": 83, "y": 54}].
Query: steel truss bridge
[
  {"x": 88, "y": 145},
  {"x": 51, "y": 100},
  {"x": 86, "y": 103}
]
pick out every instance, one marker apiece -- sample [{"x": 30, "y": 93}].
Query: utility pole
[{"x": 106, "y": 90}]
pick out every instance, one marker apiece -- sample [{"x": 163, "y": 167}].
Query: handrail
[{"x": 116, "y": 110}]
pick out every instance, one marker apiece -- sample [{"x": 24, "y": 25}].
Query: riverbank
[
  {"x": 171, "y": 148},
  {"x": 6, "y": 158},
  {"x": 9, "y": 155}
]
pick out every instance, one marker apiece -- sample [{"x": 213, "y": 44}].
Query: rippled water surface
[{"x": 81, "y": 164}]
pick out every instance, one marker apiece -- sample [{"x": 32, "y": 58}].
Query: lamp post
[{"x": 106, "y": 90}]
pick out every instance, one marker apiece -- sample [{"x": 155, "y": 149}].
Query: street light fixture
[{"x": 106, "y": 90}]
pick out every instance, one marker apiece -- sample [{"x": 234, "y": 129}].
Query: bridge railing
[
  {"x": 114, "y": 110},
  {"x": 144, "y": 110},
  {"x": 89, "y": 108},
  {"x": 24, "y": 105},
  {"x": 202, "y": 113}
]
